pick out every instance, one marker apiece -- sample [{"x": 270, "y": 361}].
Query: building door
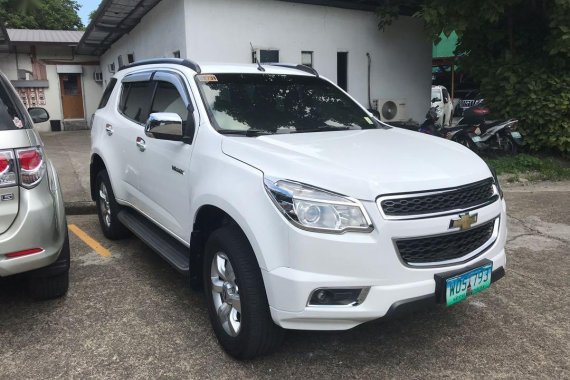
[
  {"x": 71, "y": 96},
  {"x": 342, "y": 70}
]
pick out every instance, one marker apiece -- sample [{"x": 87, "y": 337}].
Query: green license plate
[{"x": 459, "y": 287}]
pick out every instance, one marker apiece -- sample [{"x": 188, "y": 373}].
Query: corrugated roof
[{"x": 71, "y": 37}]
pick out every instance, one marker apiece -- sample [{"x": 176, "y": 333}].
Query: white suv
[{"x": 290, "y": 203}]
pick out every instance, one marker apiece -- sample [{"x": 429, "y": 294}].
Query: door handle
[
  {"x": 109, "y": 129},
  {"x": 141, "y": 144}
]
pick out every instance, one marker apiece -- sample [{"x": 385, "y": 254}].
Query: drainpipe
[{"x": 369, "y": 66}]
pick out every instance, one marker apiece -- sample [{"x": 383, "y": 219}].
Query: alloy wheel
[
  {"x": 105, "y": 205},
  {"x": 225, "y": 293}
]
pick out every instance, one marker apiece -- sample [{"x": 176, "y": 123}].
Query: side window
[
  {"x": 107, "y": 93},
  {"x": 168, "y": 99},
  {"x": 135, "y": 100}
]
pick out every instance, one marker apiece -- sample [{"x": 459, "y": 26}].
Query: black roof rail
[
  {"x": 172, "y": 61},
  {"x": 304, "y": 68}
]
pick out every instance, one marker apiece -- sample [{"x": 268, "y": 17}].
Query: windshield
[
  {"x": 11, "y": 116},
  {"x": 267, "y": 103}
]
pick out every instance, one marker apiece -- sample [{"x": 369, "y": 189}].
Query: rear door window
[
  {"x": 135, "y": 100},
  {"x": 107, "y": 93},
  {"x": 11, "y": 112}
]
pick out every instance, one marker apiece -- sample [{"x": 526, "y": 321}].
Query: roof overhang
[
  {"x": 361, "y": 5},
  {"x": 113, "y": 19}
]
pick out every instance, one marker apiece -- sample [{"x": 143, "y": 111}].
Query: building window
[
  {"x": 120, "y": 61},
  {"x": 131, "y": 57},
  {"x": 176, "y": 54},
  {"x": 307, "y": 58},
  {"x": 269, "y": 56}
]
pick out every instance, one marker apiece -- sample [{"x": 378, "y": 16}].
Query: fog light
[{"x": 338, "y": 297}]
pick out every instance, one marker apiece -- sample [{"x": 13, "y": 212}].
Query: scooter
[{"x": 480, "y": 135}]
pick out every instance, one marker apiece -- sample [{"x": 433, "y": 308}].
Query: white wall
[
  {"x": 160, "y": 33},
  {"x": 221, "y": 30}
]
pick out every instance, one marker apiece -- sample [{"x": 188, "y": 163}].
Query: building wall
[
  {"x": 160, "y": 33},
  {"x": 401, "y": 56},
  {"x": 50, "y": 55},
  {"x": 221, "y": 31}
]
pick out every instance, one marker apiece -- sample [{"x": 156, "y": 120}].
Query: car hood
[{"x": 363, "y": 164}]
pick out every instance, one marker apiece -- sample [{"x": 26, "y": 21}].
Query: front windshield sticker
[
  {"x": 207, "y": 78},
  {"x": 368, "y": 120},
  {"x": 18, "y": 123}
]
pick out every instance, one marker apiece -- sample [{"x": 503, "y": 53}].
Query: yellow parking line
[{"x": 102, "y": 251}]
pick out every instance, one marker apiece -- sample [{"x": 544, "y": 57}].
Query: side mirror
[
  {"x": 164, "y": 126},
  {"x": 38, "y": 114}
]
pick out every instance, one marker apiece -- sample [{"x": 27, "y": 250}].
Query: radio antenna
[{"x": 259, "y": 67}]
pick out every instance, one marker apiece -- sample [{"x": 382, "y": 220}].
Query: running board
[{"x": 170, "y": 249}]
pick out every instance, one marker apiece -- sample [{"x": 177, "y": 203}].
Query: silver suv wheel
[{"x": 225, "y": 293}]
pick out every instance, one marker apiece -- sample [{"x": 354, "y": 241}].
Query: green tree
[
  {"x": 40, "y": 14},
  {"x": 519, "y": 51}
]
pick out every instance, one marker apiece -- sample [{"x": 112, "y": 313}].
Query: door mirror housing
[
  {"x": 164, "y": 126},
  {"x": 38, "y": 114}
]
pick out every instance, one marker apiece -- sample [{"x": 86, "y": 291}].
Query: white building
[
  {"x": 335, "y": 37},
  {"x": 46, "y": 72}
]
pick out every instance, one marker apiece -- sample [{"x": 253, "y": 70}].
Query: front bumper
[
  {"x": 40, "y": 224},
  {"x": 363, "y": 260}
]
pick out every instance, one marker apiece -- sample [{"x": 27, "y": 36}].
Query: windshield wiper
[{"x": 247, "y": 133}]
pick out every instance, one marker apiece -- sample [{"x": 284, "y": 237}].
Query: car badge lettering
[
  {"x": 464, "y": 222},
  {"x": 6, "y": 197}
]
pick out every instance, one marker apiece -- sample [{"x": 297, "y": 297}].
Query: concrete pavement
[
  {"x": 130, "y": 315},
  {"x": 70, "y": 153}
]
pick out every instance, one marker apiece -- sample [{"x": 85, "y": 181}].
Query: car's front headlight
[{"x": 315, "y": 209}]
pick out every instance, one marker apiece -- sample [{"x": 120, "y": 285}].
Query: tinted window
[
  {"x": 168, "y": 99},
  {"x": 11, "y": 113},
  {"x": 445, "y": 95},
  {"x": 107, "y": 93},
  {"x": 135, "y": 100},
  {"x": 279, "y": 104}
]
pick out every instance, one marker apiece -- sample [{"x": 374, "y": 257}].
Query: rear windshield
[
  {"x": 270, "y": 103},
  {"x": 11, "y": 112}
]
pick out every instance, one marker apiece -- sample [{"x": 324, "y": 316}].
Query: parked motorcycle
[
  {"x": 480, "y": 135},
  {"x": 474, "y": 132}
]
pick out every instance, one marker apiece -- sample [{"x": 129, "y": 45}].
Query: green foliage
[
  {"x": 531, "y": 167},
  {"x": 519, "y": 51},
  {"x": 40, "y": 14}
]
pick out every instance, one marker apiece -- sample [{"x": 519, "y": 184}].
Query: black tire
[
  {"x": 510, "y": 147},
  {"x": 258, "y": 334},
  {"x": 112, "y": 228},
  {"x": 443, "y": 122},
  {"x": 466, "y": 142},
  {"x": 49, "y": 286}
]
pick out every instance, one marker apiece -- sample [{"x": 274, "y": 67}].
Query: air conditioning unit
[
  {"x": 98, "y": 76},
  {"x": 265, "y": 55},
  {"x": 111, "y": 67},
  {"x": 392, "y": 110}
]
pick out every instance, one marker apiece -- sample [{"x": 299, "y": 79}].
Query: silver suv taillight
[
  {"x": 7, "y": 169},
  {"x": 32, "y": 166}
]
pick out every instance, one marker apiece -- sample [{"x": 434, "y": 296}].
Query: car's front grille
[
  {"x": 436, "y": 202},
  {"x": 440, "y": 248}
]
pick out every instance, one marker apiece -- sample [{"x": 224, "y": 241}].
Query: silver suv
[{"x": 33, "y": 229}]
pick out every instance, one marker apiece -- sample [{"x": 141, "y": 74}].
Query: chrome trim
[
  {"x": 359, "y": 300},
  {"x": 492, "y": 199},
  {"x": 459, "y": 260},
  {"x": 351, "y": 202}
]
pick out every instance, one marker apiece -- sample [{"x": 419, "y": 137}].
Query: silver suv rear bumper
[{"x": 40, "y": 224}]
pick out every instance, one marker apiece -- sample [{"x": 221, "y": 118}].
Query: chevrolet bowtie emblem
[{"x": 464, "y": 222}]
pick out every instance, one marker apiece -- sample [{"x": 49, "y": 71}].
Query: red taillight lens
[
  {"x": 4, "y": 163},
  {"x": 32, "y": 166},
  {"x": 7, "y": 170},
  {"x": 23, "y": 253}
]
